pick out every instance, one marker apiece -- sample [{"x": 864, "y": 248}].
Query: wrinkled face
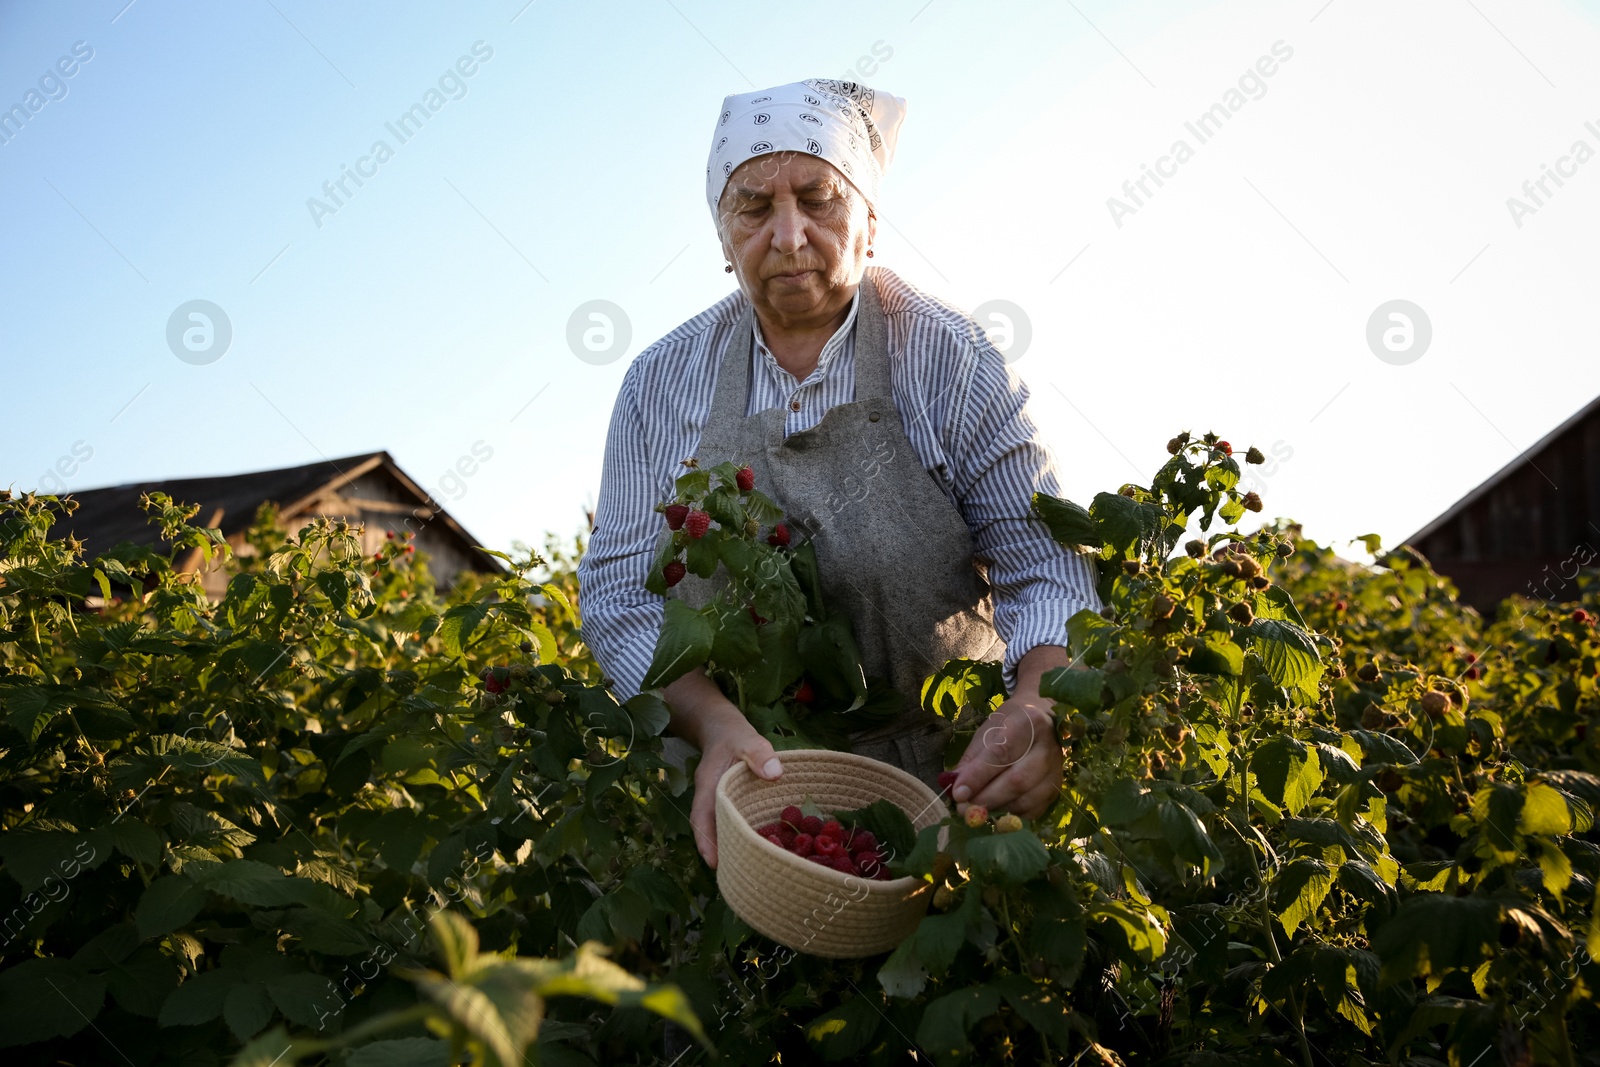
[{"x": 797, "y": 234}]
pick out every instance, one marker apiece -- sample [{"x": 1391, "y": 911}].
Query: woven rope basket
[{"x": 808, "y": 907}]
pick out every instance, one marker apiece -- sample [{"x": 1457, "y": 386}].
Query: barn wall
[{"x": 1532, "y": 531}]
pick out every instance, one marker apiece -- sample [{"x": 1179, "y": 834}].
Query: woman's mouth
[{"x": 794, "y": 277}]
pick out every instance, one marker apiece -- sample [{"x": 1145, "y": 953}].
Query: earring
[
  {"x": 869, "y": 253},
  {"x": 727, "y": 268}
]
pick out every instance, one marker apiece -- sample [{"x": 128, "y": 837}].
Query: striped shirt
[{"x": 964, "y": 412}]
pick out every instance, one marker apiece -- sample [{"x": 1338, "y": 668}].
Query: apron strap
[{"x": 732, "y": 394}]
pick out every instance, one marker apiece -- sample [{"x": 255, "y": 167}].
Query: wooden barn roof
[
  {"x": 106, "y": 517},
  {"x": 1488, "y": 485}
]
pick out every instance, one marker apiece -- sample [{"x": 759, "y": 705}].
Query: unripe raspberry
[
  {"x": 1255, "y": 455},
  {"x": 1195, "y": 548},
  {"x": 1251, "y": 501},
  {"x": 1132, "y": 567},
  {"x": 1007, "y": 824},
  {"x": 1435, "y": 704},
  {"x": 1161, "y": 606},
  {"x": 1242, "y": 613},
  {"x": 943, "y": 897},
  {"x": 977, "y": 815},
  {"x": 751, "y": 528}
]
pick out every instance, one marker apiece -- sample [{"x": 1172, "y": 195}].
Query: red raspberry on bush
[
  {"x": 1473, "y": 673},
  {"x": 1224, "y": 447},
  {"x": 792, "y": 815},
  {"x": 673, "y": 572},
  {"x": 496, "y": 679},
  {"x": 675, "y": 514},
  {"x": 697, "y": 524},
  {"x": 1581, "y": 616},
  {"x": 745, "y": 479},
  {"x": 805, "y": 694},
  {"x": 779, "y": 537},
  {"x": 947, "y": 780}
]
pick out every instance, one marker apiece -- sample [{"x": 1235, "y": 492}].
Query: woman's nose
[{"x": 788, "y": 229}]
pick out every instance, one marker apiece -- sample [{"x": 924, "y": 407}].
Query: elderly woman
[{"x": 888, "y": 428}]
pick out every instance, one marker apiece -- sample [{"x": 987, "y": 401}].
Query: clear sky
[{"x": 426, "y": 310}]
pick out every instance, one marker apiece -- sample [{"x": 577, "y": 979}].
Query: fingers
[
  {"x": 756, "y": 752},
  {"x": 703, "y": 815},
  {"x": 759, "y": 756},
  {"x": 1004, "y": 741}
]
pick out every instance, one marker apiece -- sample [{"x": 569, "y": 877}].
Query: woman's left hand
[{"x": 1014, "y": 763}]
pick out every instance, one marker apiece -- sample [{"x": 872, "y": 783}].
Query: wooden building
[
  {"x": 370, "y": 490},
  {"x": 1529, "y": 529}
]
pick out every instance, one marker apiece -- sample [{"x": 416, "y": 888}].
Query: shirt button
[
  {"x": 873, "y": 417},
  {"x": 794, "y": 405}
]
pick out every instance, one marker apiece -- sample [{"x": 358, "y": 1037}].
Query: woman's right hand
[{"x": 710, "y": 721}]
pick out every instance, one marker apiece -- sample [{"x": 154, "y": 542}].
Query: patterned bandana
[{"x": 849, "y": 125}]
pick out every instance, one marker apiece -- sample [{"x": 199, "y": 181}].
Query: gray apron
[{"x": 893, "y": 553}]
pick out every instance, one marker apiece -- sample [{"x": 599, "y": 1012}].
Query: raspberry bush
[{"x": 1313, "y": 813}]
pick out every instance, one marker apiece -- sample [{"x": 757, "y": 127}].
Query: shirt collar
[{"x": 834, "y": 346}]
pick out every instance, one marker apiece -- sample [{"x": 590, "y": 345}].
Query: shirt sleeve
[
  {"x": 621, "y": 618},
  {"x": 1000, "y": 462}
]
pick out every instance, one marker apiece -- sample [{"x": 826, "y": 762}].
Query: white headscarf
[{"x": 848, "y": 124}]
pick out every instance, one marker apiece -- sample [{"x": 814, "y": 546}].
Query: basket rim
[{"x": 892, "y": 887}]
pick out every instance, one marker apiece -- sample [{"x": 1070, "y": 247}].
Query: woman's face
[{"x": 797, "y": 234}]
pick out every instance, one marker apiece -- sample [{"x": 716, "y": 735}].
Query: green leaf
[
  {"x": 1545, "y": 811},
  {"x": 846, "y": 1030},
  {"x": 1124, "y": 522},
  {"x": 32, "y": 856},
  {"x": 1381, "y": 748},
  {"x": 246, "y": 1009},
  {"x": 138, "y": 841},
  {"x": 456, "y": 628},
  {"x": 1142, "y": 934},
  {"x": 701, "y": 554},
  {"x": 1076, "y": 687},
  {"x": 1300, "y": 890},
  {"x": 1289, "y": 655},
  {"x": 685, "y": 642},
  {"x": 903, "y": 974},
  {"x": 201, "y": 998},
  {"x": 1070, "y": 524},
  {"x": 1287, "y": 771},
  {"x": 1215, "y": 654},
  {"x": 1433, "y": 933},
  {"x": 1041, "y": 1006},
  {"x": 402, "y": 1052},
  {"x": 946, "y": 1020},
  {"x": 1187, "y": 835},
  {"x": 43, "y": 999},
  {"x": 167, "y": 904},
  {"x": 1125, "y": 801},
  {"x": 1011, "y": 858},
  {"x": 735, "y": 643}
]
